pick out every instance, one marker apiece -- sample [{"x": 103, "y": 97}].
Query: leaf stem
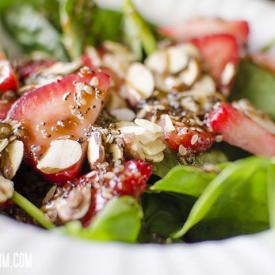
[{"x": 32, "y": 210}]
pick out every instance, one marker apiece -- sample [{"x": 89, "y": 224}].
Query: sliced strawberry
[
  {"x": 8, "y": 79},
  {"x": 193, "y": 141},
  {"x": 60, "y": 110},
  {"x": 6, "y": 101},
  {"x": 130, "y": 180},
  {"x": 31, "y": 67},
  {"x": 106, "y": 182},
  {"x": 241, "y": 131},
  {"x": 218, "y": 51},
  {"x": 207, "y": 26}
]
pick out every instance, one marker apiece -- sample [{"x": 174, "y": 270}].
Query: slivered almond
[
  {"x": 166, "y": 123},
  {"x": 158, "y": 61},
  {"x": 148, "y": 125},
  {"x": 6, "y": 189},
  {"x": 94, "y": 56},
  {"x": 156, "y": 158},
  {"x": 114, "y": 101},
  {"x": 228, "y": 73},
  {"x": 116, "y": 151},
  {"x": 95, "y": 148},
  {"x": 141, "y": 79},
  {"x": 191, "y": 73},
  {"x": 12, "y": 158},
  {"x": 177, "y": 58},
  {"x": 76, "y": 205},
  {"x": 154, "y": 147},
  {"x": 61, "y": 155},
  {"x": 3, "y": 143},
  {"x": 62, "y": 68},
  {"x": 123, "y": 114}
]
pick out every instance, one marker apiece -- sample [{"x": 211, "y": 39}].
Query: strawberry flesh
[
  {"x": 130, "y": 179},
  {"x": 60, "y": 110},
  {"x": 32, "y": 67},
  {"x": 217, "y": 51},
  {"x": 239, "y": 130},
  {"x": 8, "y": 79},
  {"x": 194, "y": 141},
  {"x": 207, "y": 26}
]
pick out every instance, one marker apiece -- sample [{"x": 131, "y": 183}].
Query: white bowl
[{"x": 50, "y": 253}]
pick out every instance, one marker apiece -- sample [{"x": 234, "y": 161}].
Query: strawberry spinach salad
[{"x": 113, "y": 129}]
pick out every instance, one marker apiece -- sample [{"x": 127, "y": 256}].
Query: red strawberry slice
[
  {"x": 193, "y": 141},
  {"x": 6, "y": 101},
  {"x": 8, "y": 79},
  {"x": 60, "y": 110},
  {"x": 31, "y": 67},
  {"x": 241, "y": 131},
  {"x": 207, "y": 26},
  {"x": 130, "y": 180},
  {"x": 218, "y": 51}
]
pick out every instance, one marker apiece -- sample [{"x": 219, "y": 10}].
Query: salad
[{"x": 113, "y": 129}]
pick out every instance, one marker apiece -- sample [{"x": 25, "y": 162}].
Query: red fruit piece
[
  {"x": 194, "y": 141},
  {"x": 130, "y": 179},
  {"x": 207, "y": 26},
  {"x": 218, "y": 51},
  {"x": 241, "y": 131},
  {"x": 31, "y": 67},
  {"x": 6, "y": 101},
  {"x": 8, "y": 79},
  {"x": 60, "y": 110}
]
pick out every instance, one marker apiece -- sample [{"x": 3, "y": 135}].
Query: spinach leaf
[
  {"x": 137, "y": 30},
  {"x": 271, "y": 193},
  {"x": 257, "y": 85},
  {"x": 120, "y": 220},
  {"x": 170, "y": 161},
  {"x": 32, "y": 31},
  {"x": 184, "y": 180},
  {"x": 238, "y": 195},
  {"x": 164, "y": 213}
]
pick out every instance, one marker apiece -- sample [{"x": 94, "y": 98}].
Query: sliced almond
[
  {"x": 228, "y": 73},
  {"x": 158, "y": 61},
  {"x": 3, "y": 143},
  {"x": 191, "y": 73},
  {"x": 76, "y": 205},
  {"x": 115, "y": 47},
  {"x": 156, "y": 158},
  {"x": 116, "y": 151},
  {"x": 189, "y": 104},
  {"x": 148, "y": 125},
  {"x": 94, "y": 56},
  {"x": 141, "y": 79},
  {"x": 95, "y": 149},
  {"x": 61, "y": 155},
  {"x": 154, "y": 147},
  {"x": 123, "y": 114},
  {"x": 114, "y": 101},
  {"x": 6, "y": 189},
  {"x": 14, "y": 153},
  {"x": 177, "y": 58},
  {"x": 63, "y": 68},
  {"x": 166, "y": 124}
]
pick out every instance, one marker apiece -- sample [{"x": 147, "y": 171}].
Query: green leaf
[
  {"x": 271, "y": 193},
  {"x": 184, "y": 180},
  {"x": 32, "y": 210},
  {"x": 137, "y": 30},
  {"x": 32, "y": 31},
  {"x": 237, "y": 195},
  {"x": 257, "y": 85},
  {"x": 170, "y": 161},
  {"x": 120, "y": 220},
  {"x": 164, "y": 213}
]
